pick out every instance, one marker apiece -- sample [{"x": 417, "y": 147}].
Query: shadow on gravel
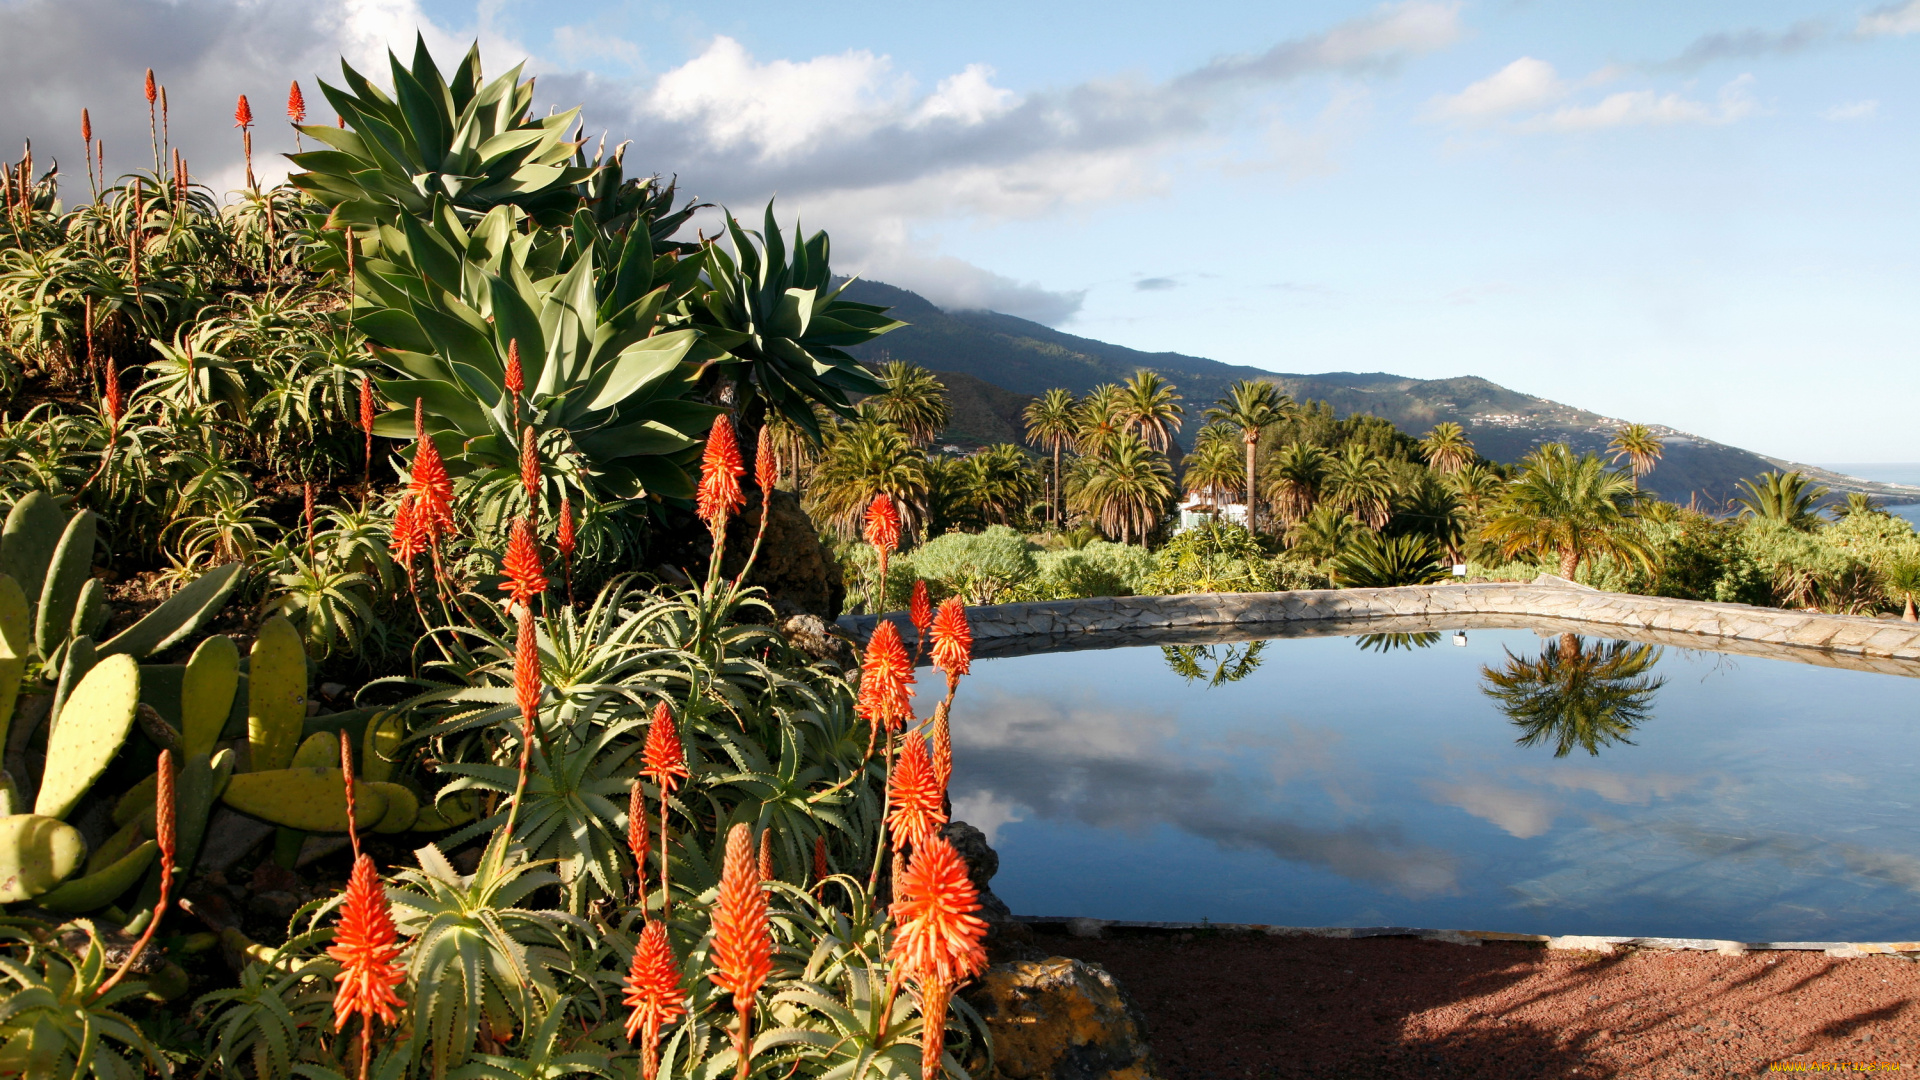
[{"x": 1233, "y": 1008}]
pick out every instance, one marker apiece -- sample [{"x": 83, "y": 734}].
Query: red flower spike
[
  {"x": 516, "y": 377},
  {"x": 821, "y": 871},
  {"x": 742, "y": 949},
  {"x": 766, "y": 472},
  {"x": 528, "y": 686},
  {"x": 939, "y": 936},
  {"x": 296, "y": 104},
  {"x": 942, "y": 748},
  {"x": 530, "y": 467},
  {"x": 366, "y": 406},
  {"x": 566, "y": 527},
  {"x": 526, "y": 578},
  {"x": 654, "y": 992},
  {"x": 766, "y": 855},
  {"x": 952, "y": 639},
  {"x": 920, "y": 610},
  {"x": 430, "y": 485},
  {"x": 886, "y": 678},
  {"x": 639, "y": 837},
  {"x": 664, "y": 760},
  {"x": 153, "y": 94},
  {"x": 116, "y": 405},
  {"x": 408, "y": 540},
  {"x": 914, "y": 798},
  {"x": 86, "y": 127},
  {"x": 243, "y": 113},
  {"x": 163, "y": 812},
  {"x": 720, "y": 472},
  {"x": 365, "y": 943},
  {"x": 883, "y": 523}
]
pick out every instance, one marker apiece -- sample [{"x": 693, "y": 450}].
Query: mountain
[{"x": 994, "y": 363}]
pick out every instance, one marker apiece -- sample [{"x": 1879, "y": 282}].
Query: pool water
[{"x": 1343, "y": 781}]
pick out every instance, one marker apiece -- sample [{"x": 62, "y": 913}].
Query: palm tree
[
  {"x": 1126, "y": 490},
  {"x": 1252, "y": 406},
  {"x": 914, "y": 401},
  {"x": 1360, "y": 483},
  {"x": 1051, "y": 420},
  {"x": 1902, "y": 585},
  {"x": 1639, "y": 446},
  {"x": 1432, "y": 509},
  {"x": 1372, "y": 561},
  {"x": 1295, "y": 477},
  {"x": 1150, "y": 407},
  {"x": 1447, "y": 448},
  {"x": 1324, "y": 533},
  {"x": 1577, "y": 694},
  {"x": 1570, "y": 507},
  {"x": 1001, "y": 482},
  {"x": 1477, "y": 485},
  {"x": 1102, "y": 418},
  {"x": 1214, "y": 464},
  {"x": 1787, "y": 498},
  {"x": 861, "y": 460}
]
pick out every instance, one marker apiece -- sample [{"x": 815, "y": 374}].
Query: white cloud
[
  {"x": 1853, "y": 110},
  {"x": 967, "y": 98},
  {"x": 1893, "y": 20},
  {"x": 1639, "y": 108},
  {"x": 1526, "y": 83},
  {"x": 775, "y": 108}
]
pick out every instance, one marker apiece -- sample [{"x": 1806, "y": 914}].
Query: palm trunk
[
  {"x": 1569, "y": 563},
  {"x": 1252, "y": 517},
  {"x": 1055, "y": 504}
]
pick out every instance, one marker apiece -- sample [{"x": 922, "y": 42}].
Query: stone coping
[
  {"x": 1547, "y": 603},
  {"x": 1089, "y": 928}
]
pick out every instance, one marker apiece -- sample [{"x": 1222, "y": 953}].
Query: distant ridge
[{"x": 1001, "y": 361}]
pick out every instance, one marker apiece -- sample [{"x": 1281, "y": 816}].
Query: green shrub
[
  {"x": 1214, "y": 557},
  {"x": 977, "y": 566}
]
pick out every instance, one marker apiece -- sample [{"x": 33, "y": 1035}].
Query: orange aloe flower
[
  {"x": 742, "y": 949},
  {"x": 766, "y": 855},
  {"x": 530, "y": 466},
  {"x": 566, "y": 537},
  {"x": 430, "y": 486},
  {"x": 409, "y": 541},
  {"x": 528, "y": 686},
  {"x": 920, "y": 610},
  {"x": 883, "y": 525},
  {"x": 526, "y": 577},
  {"x": 152, "y": 94},
  {"x": 939, "y": 940},
  {"x": 116, "y": 405},
  {"x": 86, "y": 127},
  {"x": 886, "y": 679},
  {"x": 365, "y": 943},
  {"x": 654, "y": 991},
  {"x": 366, "y": 419},
  {"x": 243, "y": 113},
  {"x": 720, "y": 472},
  {"x": 664, "y": 760},
  {"x": 915, "y": 797},
  {"x": 516, "y": 378},
  {"x": 639, "y": 836},
  {"x": 296, "y": 104},
  {"x": 766, "y": 471},
  {"x": 952, "y": 640},
  {"x": 942, "y": 747},
  {"x": 821, "y": 871}
]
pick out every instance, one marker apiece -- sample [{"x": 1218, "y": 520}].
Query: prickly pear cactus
[
  {"x": 322, "y": 749},
  {"x": 16, "y": 645},
  {"x": 69, "y": 573},
  {"x": 37, "y": 853},
  {"x": 206, "y": 693},
  {"x": 98, "y": 889},
  {"x": 311, "y": 799},
  {"x": 27, "y": 542},
  {"x": 92, "y": 728},
  {"x": 403, "y": 807},
  {"x": 380, "y": 746},
  {"x": 276, "y": 695}
]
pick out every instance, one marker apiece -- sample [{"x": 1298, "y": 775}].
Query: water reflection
[
  {"x": 1217, "y": 664},
  {"x": 1389, "y": 642},
  {"x": 1576, "y": 693}
]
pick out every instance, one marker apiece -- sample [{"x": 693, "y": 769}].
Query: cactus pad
[
  {"x": 206, "y": 693},
  {"x": 402, "y": 807},
  {"x": 311, "y": 799},
  {"x": 71, "y": 569},
  {"x": 98, "y": 889},
  {"x": 93, "y": 725},
  {"x": 276, "y": 695},
  {"x": 37, "y": 853}
]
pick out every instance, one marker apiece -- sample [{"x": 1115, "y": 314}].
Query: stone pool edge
[
  {"x": 1003, "y": 628},
  {"x": 1092, "y": 928}
]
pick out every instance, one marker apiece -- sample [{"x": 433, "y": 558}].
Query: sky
[{"x": 1701, "y": 215}]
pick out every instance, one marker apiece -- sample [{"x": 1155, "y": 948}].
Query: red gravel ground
[{"x": 1225, "y": 1008}]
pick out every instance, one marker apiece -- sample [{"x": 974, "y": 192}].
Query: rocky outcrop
[
  {"x": 796, "y": 569},
  {"x": 1061, "y": 1019}
]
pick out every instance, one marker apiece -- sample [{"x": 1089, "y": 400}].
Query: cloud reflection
[{"x": 1133, "y": 769}]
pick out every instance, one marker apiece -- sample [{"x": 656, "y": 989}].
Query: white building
[{"x": 1199, "y": 508}]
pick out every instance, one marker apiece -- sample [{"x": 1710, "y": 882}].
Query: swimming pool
[{"x": 1505, "y": 779}]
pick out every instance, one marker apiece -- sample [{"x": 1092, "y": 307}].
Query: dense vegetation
[{"x": 323, "y": 502}]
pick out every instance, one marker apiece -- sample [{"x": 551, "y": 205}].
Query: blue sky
[{"x": 1700, "y": 215}]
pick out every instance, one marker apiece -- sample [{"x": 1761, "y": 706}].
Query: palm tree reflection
[
  {"x": 1576, "y": 693},
  {"x": 1216, "y": 664},
  {"x": 1389, "y": 642}
]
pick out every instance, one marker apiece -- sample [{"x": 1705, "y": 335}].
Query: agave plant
[
  {"x": 468, "y": 145},
  {"x": 1372, "y": 561},
  {"x": 56, "y": 1022}
]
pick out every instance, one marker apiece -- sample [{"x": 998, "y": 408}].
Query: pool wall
[{"x": 1547, "y": 602}]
